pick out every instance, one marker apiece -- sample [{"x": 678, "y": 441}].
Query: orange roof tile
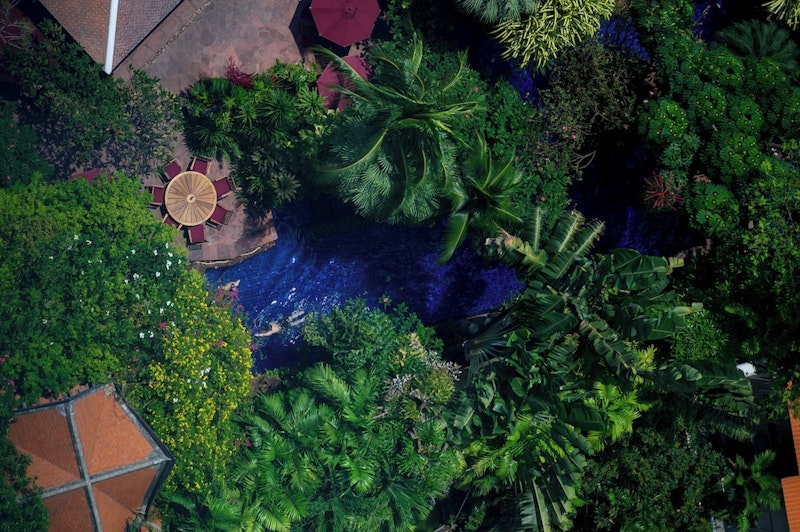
[
  {"x": 791, "y": 485},
  {"x": 96, "y": 461}
]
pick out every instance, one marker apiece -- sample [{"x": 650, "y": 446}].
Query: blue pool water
[{"x": 303, "y": 274}]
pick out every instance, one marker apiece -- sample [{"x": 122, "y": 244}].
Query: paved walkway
[{"x": 196, "y": 41}]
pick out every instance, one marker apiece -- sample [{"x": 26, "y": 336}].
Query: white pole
[{"x": 112, "y": 35}]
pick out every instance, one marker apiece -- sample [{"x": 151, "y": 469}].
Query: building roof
[
  {"x": 87, "y": 21},
  {"x": 98, "y": 463},
  {"x": 791, "y": 485}
]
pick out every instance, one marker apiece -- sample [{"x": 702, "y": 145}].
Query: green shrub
[
  {"x": 723, "y": 68},
  {"x": 732, "y": 156},
  {"x": 707, "y": 106},
  {"x": 715, "y": 211},
  {"x": 664, "y": 121},
  {"x": 20, "y": 158}
]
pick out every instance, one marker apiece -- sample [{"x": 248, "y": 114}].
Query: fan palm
[
  {"x": 483, "y": 201},
  {"x": 494, "y": 11},
  {"x": 392, "y": 152},
  {"x": 762, "y": 39}
]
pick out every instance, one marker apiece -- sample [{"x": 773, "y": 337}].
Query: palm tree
[
  {"x": 391, "y": 154},
  {"x": 494, "y": 11},
  {"x": 483, "y": 201},
  {"x": 762, "y": 39},
  {"x": 753, "y": 488}
]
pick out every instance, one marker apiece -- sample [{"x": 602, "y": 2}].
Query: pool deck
[{"x": 197, "y": 40}]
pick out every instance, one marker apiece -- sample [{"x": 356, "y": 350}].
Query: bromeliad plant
[{"x": 662, "y": 192}]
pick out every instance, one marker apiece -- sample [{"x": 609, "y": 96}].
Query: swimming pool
[{"x": 303, "y": 273}]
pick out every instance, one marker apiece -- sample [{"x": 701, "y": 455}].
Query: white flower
[
  {"x": 89, "y": 242},
  {"x": 155, "y": 252},
  {"x": 166, "y": 245},
  {"x": 158, "y": 274},
  {"x": 169, "y": 263},
  {"x": 169, "y": 254},
  {"x": 135, "y": 276},
  {"x": 169, "y": 302},
  {"x": 50, "y": 257},
  {"x": 174, "y": 399},
  {"x": 161, "y": 311},
  {"x": 126, "y": 281},
  {"x": 137, "y": 296},
  {"x": 141, "y": 334},
  {"x": 74, "y": 237},
  {"x": 151, "y": 334},
  {"x": 44, "y": 320},
  {"x": 133, "y": 252}
]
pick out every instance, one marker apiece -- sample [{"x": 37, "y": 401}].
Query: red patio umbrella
[
  {"x": 345, "y": 22},
  {"x": 331, "y": 77}
]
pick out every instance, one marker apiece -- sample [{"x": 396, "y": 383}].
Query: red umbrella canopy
[
  {"x": 345, "y": 22},
  {"x": 331, "y": 77}
]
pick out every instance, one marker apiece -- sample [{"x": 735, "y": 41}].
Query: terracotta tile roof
[
  {"x": 97, "y": 462},
  {"x": 87, "y": 22},
  {"x": 791, "y": 485}
]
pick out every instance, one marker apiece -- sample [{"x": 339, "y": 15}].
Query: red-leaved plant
[
  {"x": 662, "y": 192},
  {"x": 235, "y": 75}
]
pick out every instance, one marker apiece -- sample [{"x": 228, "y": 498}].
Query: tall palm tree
[
  {"x": 483, "y": 201},
  {"x": 391, "y": 154}
]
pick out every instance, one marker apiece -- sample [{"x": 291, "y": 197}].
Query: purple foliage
[
  {"x": 619, "y": 32},
  {"x": 708, "y": 17}
]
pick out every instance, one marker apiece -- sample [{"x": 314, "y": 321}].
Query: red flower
[{"x": 163, "y": 325}]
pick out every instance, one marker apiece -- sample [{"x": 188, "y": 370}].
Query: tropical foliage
[
  {"x": 190, "y": 387},
  {"x": 550, "y": 27},
  {"x": 341, "y": 447},
  {"x": 264, "y": 127},
  {"x": 391, "y": 154},
  {"x": 494, "y": 11},
  {"x": 565, "y": 379}
]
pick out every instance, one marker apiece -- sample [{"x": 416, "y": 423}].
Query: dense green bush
[
  {"x": 268, "y": 129},
  {"x": 20, "y": 158},
  {"x": 84, "y": 117},
  {"x": 85, "y": 273}
]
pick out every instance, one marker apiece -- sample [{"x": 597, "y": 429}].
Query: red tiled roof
[
  {"x": 87, "y": 22},
  {"x": 791, "y": 485},
  {"x": 96, "y": 461}
]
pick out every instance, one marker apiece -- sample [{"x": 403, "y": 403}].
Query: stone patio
[{"x": 197, "y": 40}]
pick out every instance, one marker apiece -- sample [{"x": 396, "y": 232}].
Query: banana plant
[{"x": 556, "y": 376}]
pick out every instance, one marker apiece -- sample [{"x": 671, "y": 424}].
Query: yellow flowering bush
[{"x": 189, "y": 393}]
